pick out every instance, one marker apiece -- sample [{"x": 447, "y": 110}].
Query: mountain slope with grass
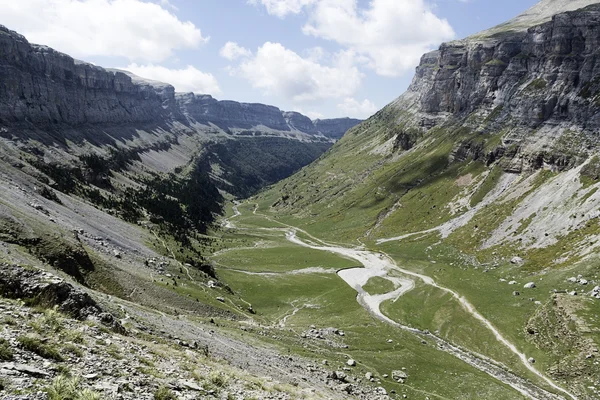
[
  {"x": 111, "y": 190},
  {"x": 483, "y": 176}
]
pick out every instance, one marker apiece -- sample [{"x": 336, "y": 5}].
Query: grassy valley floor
[{"x": 297, "y": 294}]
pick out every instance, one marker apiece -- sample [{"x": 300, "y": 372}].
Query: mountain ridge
[
  {"x": 79, "y": 92},
  {"x": 483, "y": 175}
]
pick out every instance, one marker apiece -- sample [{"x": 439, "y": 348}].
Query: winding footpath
[{"x": 379, "y": 264}]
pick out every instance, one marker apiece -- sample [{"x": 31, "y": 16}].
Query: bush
[{"x": 218, "y": 379}]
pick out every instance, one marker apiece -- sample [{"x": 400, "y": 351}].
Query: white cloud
[
  {"x": 281, "y": 8},
  {"x": 134, "y": 29},
  {"x": 392, "y": 34},
  {"x": 282, "y": 72},
  {"x": 168, "y": 4},
  {"x": 232, "y": 51},
  {"x": 354, "y": 108},
  {"x": 188, "y": 79}
]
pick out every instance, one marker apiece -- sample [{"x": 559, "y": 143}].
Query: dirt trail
[
  {"x": 379, "y": 262},
  {"x": 448, "y": 227}
]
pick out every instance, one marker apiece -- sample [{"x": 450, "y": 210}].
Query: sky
[{"x": 323, "y": 58}]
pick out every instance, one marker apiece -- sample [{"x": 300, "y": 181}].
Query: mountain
[
  {"x": 484, "y": 172},
  {"x": 447, "y": 247},
  {"x": 110, "y": 190},
  {"x": 49, "y": 96},
  {"x": 44, "y": 88}
]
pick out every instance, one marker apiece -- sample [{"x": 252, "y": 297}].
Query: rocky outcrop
[
  {"x": 534, "y": 84},
  {"x": 44, "y": 87},
  {"x": 45, "y": 289}
]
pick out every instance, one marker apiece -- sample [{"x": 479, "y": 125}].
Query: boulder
[
  {"x": 529, "y": 285},
  {"x": 399, "y": 376}
]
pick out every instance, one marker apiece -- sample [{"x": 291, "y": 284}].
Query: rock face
[
  {"x": 48, "y": 290},
  {"x": 534, "y": 83},
  {"x": 205, "y": 109},
  {"x": 335, "y": 128},
  {"x": 44, "y": 87},
  {"x": 246, "y": 118}
]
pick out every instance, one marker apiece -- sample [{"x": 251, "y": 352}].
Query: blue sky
[{"x": 325, "y": 58}]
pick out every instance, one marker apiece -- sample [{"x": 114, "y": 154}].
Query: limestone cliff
[
  {"x": 536, "y": 85},
  {"x": 41, "y": 87}
]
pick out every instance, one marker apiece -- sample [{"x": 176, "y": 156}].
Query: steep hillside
[
  {"x": 484, "y": 172},
  {"x": 110, "y": 190}
]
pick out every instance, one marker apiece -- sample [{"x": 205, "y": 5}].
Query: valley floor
[{"x": 292, "y": 282}]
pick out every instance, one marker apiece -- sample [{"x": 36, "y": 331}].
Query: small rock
[
  {"x": 531, "y": 360},
  {"x": 338, "y": 375},
  {"x": 529, "y": 285},
  {"x": 516, "y": 260},
  {"x": 221, "y": 299},
  {"x": 191, "y": 386},
  {"x": 512, "y": 282},
  {"x": 515, "y": 293},
  {"x": 351, "y": 363},
  {"x": 399, "y": 376},
  {"x": 26, "y": 369}
]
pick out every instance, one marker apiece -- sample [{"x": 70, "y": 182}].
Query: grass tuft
[
  {"x": 6, "y": 352},
  {"x": 164, "y": 393},
  {"x": 64, "y": 388},
  {"x": 35, "y": 345}
]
